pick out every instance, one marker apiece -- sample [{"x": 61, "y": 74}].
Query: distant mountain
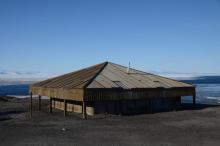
[
  {"x": 17, "y": 73},
  {"x": 16, "y": 86},
  {"x": 13, "y": 90},
  {"x": 203, "y": 80},
  {"x": 18, "y": 81}
]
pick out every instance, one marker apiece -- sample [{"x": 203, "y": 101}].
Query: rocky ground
[{"x": 188, "y": 127}]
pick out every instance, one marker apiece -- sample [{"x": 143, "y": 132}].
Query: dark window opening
[{"x": 120, "y": 84}]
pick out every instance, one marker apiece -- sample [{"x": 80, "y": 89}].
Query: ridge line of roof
[
  {"x": 57, "y": 77},
  {"x": 93, "y": 78}
]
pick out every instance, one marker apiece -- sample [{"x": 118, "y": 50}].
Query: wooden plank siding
[
  {"x": 121, "y": 94},
  {"x": 73, "y": 94}
]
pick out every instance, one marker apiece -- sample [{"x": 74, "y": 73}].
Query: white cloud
[
  {"x": 19, "y": 74},
  {"x": 179, "y": 75}
]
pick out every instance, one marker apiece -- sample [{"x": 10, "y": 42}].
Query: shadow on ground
[
  {"x": 183, "y": 107},
  {"x": 189, "y": 106},
  {"x": 7, "y": 115}
]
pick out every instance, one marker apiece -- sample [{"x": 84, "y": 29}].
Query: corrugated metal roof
[
  {"x": 110, "y": 75},
  {"x": 77, "y": 79},
  {"x": 134, "y": 79}
]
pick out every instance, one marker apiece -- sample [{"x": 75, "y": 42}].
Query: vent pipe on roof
[{"x": 128, "y": 68}]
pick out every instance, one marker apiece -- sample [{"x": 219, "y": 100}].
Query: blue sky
[{"x": 48, "y": 37}]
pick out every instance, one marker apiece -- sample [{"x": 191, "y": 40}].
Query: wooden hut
[{"x": 111, "y": 88}]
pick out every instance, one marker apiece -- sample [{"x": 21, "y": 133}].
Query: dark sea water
[
  {"x": 207, "y": 89},
  {"x": 13, "y": 90},
  {"x": 206, "y": 93}
]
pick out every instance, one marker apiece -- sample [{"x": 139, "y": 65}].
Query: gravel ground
[{"x": 198, "y": 127}]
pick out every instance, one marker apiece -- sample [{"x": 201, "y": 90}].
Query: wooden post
[
  {"x": 115, "y": 107},
  {"x": 106, "y": 107},
  {"x": 39, "y": 103},
  {"x": 194, "y": 100},
  {"x": 31, "y": 104},
  {"x": 64, "y": 101},
  {"x": 177, "y": 103},
  {"x": 120, "y": 107},
  {"x": 135, "y": 107},
  {"x": 84, "y": 109},
  {"x": 50, "y": 106},
  {"x": 146, "y": 106},
  {"x": 150, "y": 106},
  {"x": 180, "y": 102},
  {"x": 126, "y": 107},
  {"x": 174, "y": 104},
  {"x": 54, "y": 103}
]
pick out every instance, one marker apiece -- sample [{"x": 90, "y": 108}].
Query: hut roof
[{"x": 109, "y": 75}]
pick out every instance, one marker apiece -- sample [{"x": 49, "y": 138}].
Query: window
[{"x": 120, "y": 84}]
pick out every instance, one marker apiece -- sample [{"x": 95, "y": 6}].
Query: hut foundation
[{"x": 123, "y": 107}]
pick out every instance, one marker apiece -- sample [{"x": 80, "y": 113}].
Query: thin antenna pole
[
  {"x": 128, "y": 69},
  {"x": 31, "y": 104}
]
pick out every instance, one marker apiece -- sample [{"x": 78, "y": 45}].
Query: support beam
[
  {"x": 115, "y": 107},
  {"x": 177, "y": 103},
  {"x": 146, "y": 106},
  {"x": 194, "y": 100},
  {"x": 64, "y": 114},
  {"x": 84, "y": 109},
  {"x": 150, "y": 106},
  {"x": 106, "y": 107},
  {"x": 135, "y": 106},
  {"x": 50, "y": 106},
  {"x": 31, "y": 104},
  {"x": 39, "y": 103},
  {"x": 54, "y": 103},
  {"x": 120, "y": 107},
  {"x": 126, "y": 107}
]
